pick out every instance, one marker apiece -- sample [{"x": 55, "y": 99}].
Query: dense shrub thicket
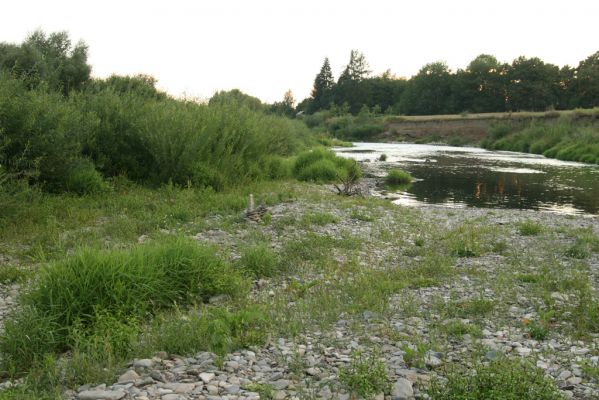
[{"x": 123, "y": 126}]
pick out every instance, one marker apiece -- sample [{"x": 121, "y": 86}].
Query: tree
[
  {"x": 285, "y": 107},
  {"x": 47, "y": 59},
  {"x": 489, "y": 85},
  {"x": 349, "y": 88},
  {"x": 322, "y": 92},
  {"x": 429, "y": 92},
  {"x": 533, "y": 85},
  {"x": 357, "y": 68},
  {"x": 587, "y": 82},
  {"x": 236, "y": 97}
]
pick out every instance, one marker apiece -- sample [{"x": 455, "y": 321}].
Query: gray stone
[
  {"x": 564, "y": 375},
  {"x": 402, "y": 390},
  {"x": 129, "y": 376},
  {"x": 575, "y": 380},
  {"x": 212, "y": 389},
  {"x": 101, "y": 395},
  {"x": 432, "y": 361},
  {"x": 281, "y": 384},
  {"x": 207, "y": 376},
  {"x": 232, "y": 389},
  {"x": 172, "y": 396},
  {"x": 184, "y": 388},
  {"x": 157, "y": 376},
  {"x": 143, "y": 363}
]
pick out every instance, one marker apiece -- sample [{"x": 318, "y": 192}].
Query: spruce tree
[{"x": 323, "y": 87}]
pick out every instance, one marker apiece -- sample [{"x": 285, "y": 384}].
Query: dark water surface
[{"x": 466, "y": 176}]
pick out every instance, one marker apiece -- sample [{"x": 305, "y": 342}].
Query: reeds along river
[{"x": 466, "y": 176}]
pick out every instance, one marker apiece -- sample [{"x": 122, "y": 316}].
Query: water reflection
[{"x": 479, "y": 178}]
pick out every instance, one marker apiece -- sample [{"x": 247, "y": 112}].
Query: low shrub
[
  {"x": 84, "y": 179},
  {"x": 322, "y": 165}
]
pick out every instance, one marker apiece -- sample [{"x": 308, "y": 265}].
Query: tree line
[{"x": 485, "y": 85}]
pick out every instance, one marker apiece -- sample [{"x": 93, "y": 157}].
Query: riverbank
[
  {"x": 474, "y": 128},
  {"x": 433, "y": 294}
]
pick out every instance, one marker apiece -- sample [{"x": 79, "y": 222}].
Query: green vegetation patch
[
  {"x": 322, "y": 165},
  {"x": 498, "y": 380},
  {"x": 71, "y": 297},
  {"x": 366, "y": 376},
  {"x": 529, "y": 228},
  {"x": 398, "y": 177}
]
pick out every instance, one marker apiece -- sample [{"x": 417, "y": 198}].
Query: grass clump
[
  {"x": 477, "y": 307},
  {"x": 398, "y": 177},
  {"x": 498, "y": 380},
  {"x": 259, "y": 261},
  {"x": 72, "y": 297},
  {"x": 456, "y": 329},
  {"x": 318, "y": 218},
  {"x": 366, "y": 376},
  {"x": 529, "y": 228}
]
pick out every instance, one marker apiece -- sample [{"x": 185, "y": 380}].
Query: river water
[{"x": 474, "y": 177}]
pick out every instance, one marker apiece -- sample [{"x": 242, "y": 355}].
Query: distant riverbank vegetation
[{"x": 565, "y": 139}]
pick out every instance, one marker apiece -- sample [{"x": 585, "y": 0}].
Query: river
[{"x": 474, "y": 177}]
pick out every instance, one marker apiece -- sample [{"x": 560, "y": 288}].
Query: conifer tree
[{"x": 323, "y": 87}]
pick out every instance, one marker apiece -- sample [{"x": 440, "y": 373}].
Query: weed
[
  {"x": 414, "y": 355},
  {"x": 537, "y": 330},
  {"x": 365, "y": 376},
  {"x": 265, "y": 390}
]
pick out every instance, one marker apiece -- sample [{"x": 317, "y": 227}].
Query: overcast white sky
[{"x": 265, "y": 47}]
